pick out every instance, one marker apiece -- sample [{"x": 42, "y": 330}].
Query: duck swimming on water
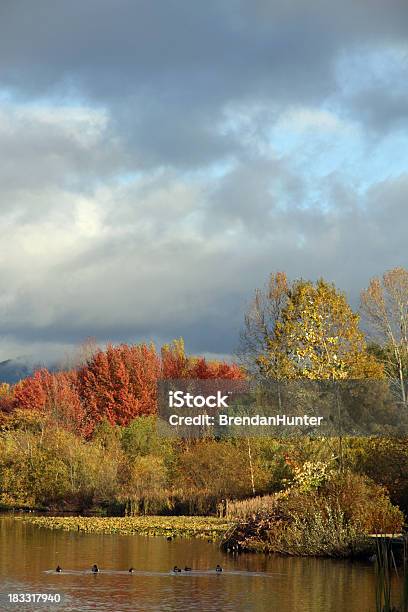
[
  {"x": 95, "y": 569},
  {"x": 176, "y": 569},
  {"x": 131, "y": 570},
  {"x": 58, "y": 569},
  {"x": 187, "y": 569},
  {"x": 218, "y": 568}
]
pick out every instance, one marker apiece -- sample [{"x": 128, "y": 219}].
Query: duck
[
  {"x": 95, "y": 569},
  {"x": 218, "y": 568},
  {"x": 58, "y": 569},
  {"x": 169, "y": 538},
  {"x": 176, "y": 569},
  {"x": 131, "y": 570},
  {"x": 187, "y": 569}
]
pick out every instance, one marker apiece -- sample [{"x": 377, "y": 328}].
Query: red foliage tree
[
  {"x": 55, "y": 395},
  {"x": 174, "y": 362},
  {"x": 120, "y": 383},
  {"x": 201, "y": 368},
  {"x": 117, "y": 384},
  {"x": 30, "y": 393}
]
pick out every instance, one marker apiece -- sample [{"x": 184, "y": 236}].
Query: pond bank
[{"x": 254, "y": 535}]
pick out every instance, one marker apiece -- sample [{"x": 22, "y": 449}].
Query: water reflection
[{"x": 248, "y": 582}]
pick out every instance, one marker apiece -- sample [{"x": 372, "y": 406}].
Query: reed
[
  {"x": 386, "y": 569},
  {"x": 254, "y": 506}
]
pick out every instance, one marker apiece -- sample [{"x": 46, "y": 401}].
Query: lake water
[{"x": 249, "y": 582}]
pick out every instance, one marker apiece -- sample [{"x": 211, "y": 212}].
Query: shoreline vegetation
[
  {"x": 84, "y": 438},
  {"x": 334, "y": 519}
]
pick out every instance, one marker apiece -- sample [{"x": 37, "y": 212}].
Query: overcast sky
[{"x": 158, "y": 159}]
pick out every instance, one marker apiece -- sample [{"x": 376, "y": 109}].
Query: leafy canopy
[{"x": 317, "y": 336}]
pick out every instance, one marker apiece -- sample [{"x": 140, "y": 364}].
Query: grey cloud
[
  {"x": 382, "y": 109},
  {"x": 110, "y": 225},
  {"x": 168, "y": 70},
  {"x": 255, "y": 195},
  {"x": 53, "y": 148},
  {"x": 130, "y": 285}
]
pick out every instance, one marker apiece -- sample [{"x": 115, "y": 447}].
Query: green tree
[{"x": 141, "y": 438}]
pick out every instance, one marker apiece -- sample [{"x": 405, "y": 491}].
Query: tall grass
[
  {"x": 386, "y": 567},
  {"x": 253, "y": 506}
]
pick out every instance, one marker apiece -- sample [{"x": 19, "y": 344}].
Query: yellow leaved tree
[
  {"x": 305, "y": 330},
  {"x": 318, "y": 337}
]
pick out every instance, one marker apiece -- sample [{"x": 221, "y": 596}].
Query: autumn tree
[
  {"x": 260, "y": 321},
  {"x": 141, "y": 438},
  {"x": 174, "y": 361},
  {"x": 55, "y": 396},
  {"x": 6, "y": 402},
  {"x": 143, "y": 485},
  {"x": 318, "y": 336},
  {"x": 305, "y": 330},
  {"x": 55, "y": 469},
  {"x": 115, "y": 385},
  {"x": 385, "y": 306},
  {"x": 176, "y": 364},
  {"x": 210, "y": 471},
  {"x": 119, "y": 384}
]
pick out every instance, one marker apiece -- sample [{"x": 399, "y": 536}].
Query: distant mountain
[{"x": 13, "y": 370}]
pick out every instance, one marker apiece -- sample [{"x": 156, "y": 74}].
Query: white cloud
[{"x": 300, "y": 119}]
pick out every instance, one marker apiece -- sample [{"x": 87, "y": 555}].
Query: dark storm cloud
[{"x": 170, "y": 69}]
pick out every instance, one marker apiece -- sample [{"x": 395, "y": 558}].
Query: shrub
[{"x": 331, "y": 520}]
